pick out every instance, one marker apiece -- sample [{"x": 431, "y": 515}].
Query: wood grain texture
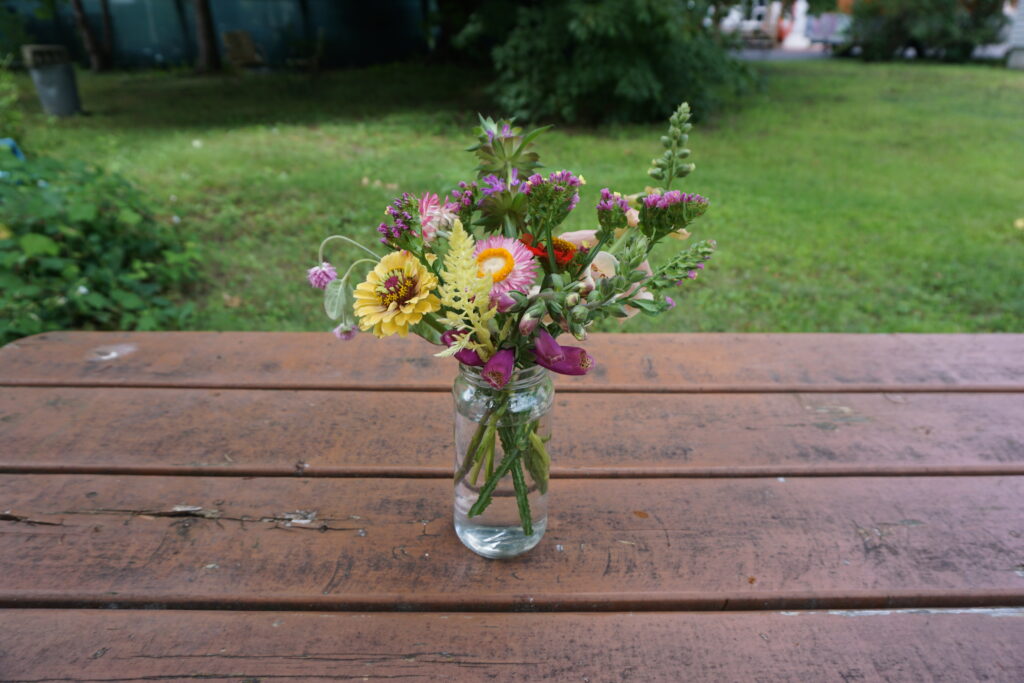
[
  {"x": 385, "y": 544},
  {"x": 634, "y": 362},
  {"x": 931, "y": 645},
  {"x": 347, "y": 433}
]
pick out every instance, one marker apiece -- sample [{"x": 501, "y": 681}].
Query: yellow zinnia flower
[{"x": 395, "y": 295}]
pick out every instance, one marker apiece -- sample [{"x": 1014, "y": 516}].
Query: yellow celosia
[
  {"x": 467, "y": 296},
  {"x": 397, "y": 293}
]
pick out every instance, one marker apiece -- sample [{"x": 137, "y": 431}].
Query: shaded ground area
[{"x": 846, "y": 196}]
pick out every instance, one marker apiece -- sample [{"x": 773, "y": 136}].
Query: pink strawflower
[
  {"x": 321, "y": 276},
  {"x": 509, "y": 263}
]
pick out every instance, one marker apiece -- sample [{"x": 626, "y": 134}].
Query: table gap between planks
[{"x": 724, "y": 507}]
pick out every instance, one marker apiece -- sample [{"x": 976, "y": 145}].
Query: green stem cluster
[{"x": 524, "y": 449}]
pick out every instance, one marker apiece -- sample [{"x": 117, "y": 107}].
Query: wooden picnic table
[{"x": 723, "y": 507}]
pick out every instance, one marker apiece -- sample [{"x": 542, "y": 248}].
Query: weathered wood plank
[
  {"x": 384, "y": 544},
  {"x": 341, "y": 433},
  {"x": 634, "y": 362},
  {"x": 930, "y": 645}
]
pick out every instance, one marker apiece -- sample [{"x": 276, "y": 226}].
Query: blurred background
[{"x": 174, "y": 164}]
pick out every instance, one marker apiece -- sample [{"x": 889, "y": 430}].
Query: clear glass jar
[{"x": 501, "y": 461}]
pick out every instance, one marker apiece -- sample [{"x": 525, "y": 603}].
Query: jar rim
[{"x": 521, "y": 378}]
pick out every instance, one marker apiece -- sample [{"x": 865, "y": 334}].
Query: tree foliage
[
  {"x": 937, "y": 29},
  {"x": 613, "y": 60}
]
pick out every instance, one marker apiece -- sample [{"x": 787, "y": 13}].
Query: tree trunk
[
  {"x": 96, "y": 61},
  {"x": 108, "y": 34},
  {"x": 206, "y": 38}
]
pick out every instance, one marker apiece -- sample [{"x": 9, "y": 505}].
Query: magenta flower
[
  {"x": 345, "y": 331},
  {"x": 671, "y": 302},
  {"x": 576, "y": 361},
  {"x": 498, "y": 370},
  {"x": 321, "y": 276},
  {"x": 547, "y": 348},
  {"x": 465, "y": 356}
]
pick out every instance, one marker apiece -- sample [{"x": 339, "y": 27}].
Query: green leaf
[
  {"x": 35, "y": 245},
  {"x": 96, "y": 300},
  {"x": 336, "y": 298},
  {"x": 128, "y": 300},
  {"x": 84, "y": 211},
  {"x": 129, "y": 217}
]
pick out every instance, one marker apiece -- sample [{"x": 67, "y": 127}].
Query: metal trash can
[{"x": 54, "y": 78}]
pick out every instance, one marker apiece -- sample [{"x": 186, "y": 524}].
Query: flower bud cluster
[
  {"x": 401, "y": 211},
  {"x": 671, "y": 163}
]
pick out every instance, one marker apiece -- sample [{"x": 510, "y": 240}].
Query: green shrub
[
  {"x": 937, "y": 29},
  {"x": 613, "y": 60},
  {"x": 10, "y": 113},
  {"x": 79, "y": 248}
]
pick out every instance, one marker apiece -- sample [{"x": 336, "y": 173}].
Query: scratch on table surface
[
  {"x": 9, "y": 516},
  {"x": 299, "y": 519}
]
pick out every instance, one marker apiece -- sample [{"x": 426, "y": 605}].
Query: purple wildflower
[
  {"x": 320, "y": 276},
  {"x": 692, "y": 275},
  {"x": 465, "y": 356},
  {"x": 671, "y": 302},
  {"x": 492, "y": 184},
  {"x": 498, "y": 370},
  {"x": 576, "y": 361},
  {"x": 610, "y": 201},
  {"x": 547, "y": 348},
  {"x": 671, "y": 198},
  {"x": 402, "y": 220}
]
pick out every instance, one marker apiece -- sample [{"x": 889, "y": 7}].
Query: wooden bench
[{"x": 724, "y": 507}]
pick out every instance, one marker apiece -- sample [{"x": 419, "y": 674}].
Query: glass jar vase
[{"x": 501, "y": 461}]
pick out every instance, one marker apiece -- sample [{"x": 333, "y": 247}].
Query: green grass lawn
[{"x": 846, "y": 197}]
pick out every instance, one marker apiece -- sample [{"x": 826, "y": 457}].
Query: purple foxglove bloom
[
  {"x": 547, "y": 348},
  {"x": 498, "y": 370},
  {"x": 345, "y": 331},
  {"x": 576, "y": 362},
  {"x": 320, "y": 276},
  {"x": 465, "y": 356}
]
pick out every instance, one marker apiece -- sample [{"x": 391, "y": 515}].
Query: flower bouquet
[{"x": 486, "y": 276}]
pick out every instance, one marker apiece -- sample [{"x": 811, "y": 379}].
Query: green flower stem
[
  {"x": 487, "y": 492},
  {"x": 474, "y": 444},
  {"x": 522, "y": 497},
  {"x": 320, "y": 258},
  {"x": 487, "y": 444},
  {"x": 431, "y": 319},
  {"x": 543, "y": 468}
]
